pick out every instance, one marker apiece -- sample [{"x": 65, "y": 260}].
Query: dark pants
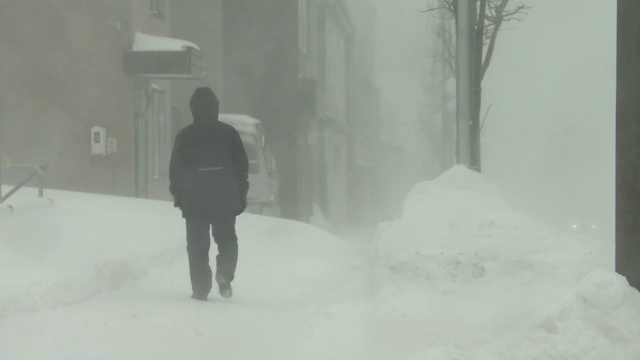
[{"x": 198, "y": 244}]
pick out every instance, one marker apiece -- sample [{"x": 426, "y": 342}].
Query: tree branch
[
  {"x": 485, "y": 117},
  {"x": 520, "y": 9},
  {"x": 491, "y": 16},
  {"x": 499, "y": 10},
  {"x": 479, "y": 38},
  {"x": 434, "y": 9}
]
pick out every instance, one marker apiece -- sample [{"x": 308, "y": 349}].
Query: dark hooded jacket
[{"x": 209, "y": 166}]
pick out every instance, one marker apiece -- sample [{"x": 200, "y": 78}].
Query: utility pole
[
  {"x": 475, "y": 45},
  {"x": 447, "y": 91},
  {"x": 463, "y": 80},
  {"x": 628, "y": 143}
]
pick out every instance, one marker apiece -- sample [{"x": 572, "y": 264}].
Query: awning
[{"x": 164, "y": 58}]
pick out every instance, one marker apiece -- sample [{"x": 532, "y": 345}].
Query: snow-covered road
[
  {"x": 458, "y": 276},
  {"x": 153, "y": 317},
  {"x": 299, "y": 292}
]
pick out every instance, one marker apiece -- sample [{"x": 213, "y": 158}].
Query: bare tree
[{"x": 488, "y": 18}]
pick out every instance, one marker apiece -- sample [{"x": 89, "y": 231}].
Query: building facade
[
  {"x": 305, "y": 68},
  {"x": 343, "y": 134},
  {"x": 67, "y": 88},
  {"x": 72, "y": 69},
  {"x": 201, "y": 22},
  {"x": 60, "y": 75}
]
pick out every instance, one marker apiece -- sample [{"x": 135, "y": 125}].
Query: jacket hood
[{"x": 204, "y": 105}]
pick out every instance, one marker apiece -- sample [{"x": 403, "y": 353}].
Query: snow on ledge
[{"x": 144, "y": 42}]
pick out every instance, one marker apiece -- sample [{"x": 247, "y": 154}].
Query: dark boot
[
  {"x": 200, "y": 297},
  {"x": 224, "y": 287}
]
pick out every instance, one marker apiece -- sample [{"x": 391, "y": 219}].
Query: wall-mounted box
[{"x": 98, "y": 141}]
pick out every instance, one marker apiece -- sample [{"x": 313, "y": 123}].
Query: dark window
[{"x": 158, "y": 8}]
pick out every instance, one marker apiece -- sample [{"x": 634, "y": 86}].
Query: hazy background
[{"x": 549, "y": 138}]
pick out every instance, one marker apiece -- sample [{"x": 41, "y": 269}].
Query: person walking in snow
[{"x": 208, "y": 177}]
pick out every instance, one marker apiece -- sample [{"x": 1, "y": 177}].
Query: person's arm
[
  {"x": 241, "y": 165},
  {"x": 176, "y": 174}
]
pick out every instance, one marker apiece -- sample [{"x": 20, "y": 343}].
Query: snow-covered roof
[
  {"x": 242, "y": 123},
  {"x": 144, "y": 42}
]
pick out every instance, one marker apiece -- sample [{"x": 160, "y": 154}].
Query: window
[
  {"x": 158, "y": 8},
  {"x": 159, "y": 133},
  {"x": 251, "y": 148}
]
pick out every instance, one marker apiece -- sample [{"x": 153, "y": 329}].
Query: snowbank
[
  {"x": 69, "y": 246},
  {"x": 598, "y": 319},
  {"x": 459, "y": 259},
  {"x": 459, "y": 228}
]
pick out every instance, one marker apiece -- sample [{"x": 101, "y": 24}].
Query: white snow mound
[
  {"x": 461, "y": 260},
  {"x": 598, "y": 319}
]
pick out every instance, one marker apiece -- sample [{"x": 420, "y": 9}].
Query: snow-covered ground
[
  {"x": 102, "y": 277},
  {"x": 458, "y": 276},
  {"x": 466, "y": 277}
]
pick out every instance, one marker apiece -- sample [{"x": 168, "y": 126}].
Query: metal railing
[{"x": 37, "y": 171}]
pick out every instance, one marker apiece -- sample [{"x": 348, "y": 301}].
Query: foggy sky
[{"x": 549, "y": 136}]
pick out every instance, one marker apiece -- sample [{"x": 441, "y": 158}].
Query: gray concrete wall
[
  {"x": 199, "y": 21},
  {"x": 60, "y": 74}
]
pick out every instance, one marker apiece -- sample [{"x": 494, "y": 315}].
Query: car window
[{"x": 252, "y": 153}]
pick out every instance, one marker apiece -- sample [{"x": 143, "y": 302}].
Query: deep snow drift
[
  {"x": 459, "y": 275},
  {"x": 479, "y": 280}
]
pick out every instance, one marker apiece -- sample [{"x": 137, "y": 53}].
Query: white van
[{"x": 263, "y": 177}]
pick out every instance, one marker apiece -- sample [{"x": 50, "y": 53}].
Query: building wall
[
  {"x": 198, "y": 21},
  {"x": 60, "y": 74},
  {"x": 261, "y": 80},
  {"x": 341, "y": 47},
  {"x": 152, "y": 184},
  {"x": 628, "y": 142},
  {"x": 363, "y": 115}
]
